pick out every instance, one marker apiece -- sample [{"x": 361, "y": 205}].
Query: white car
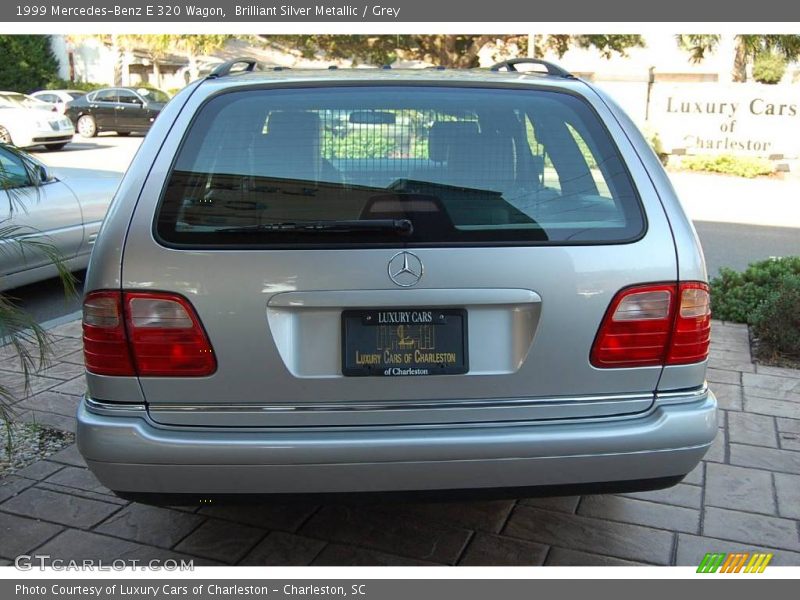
[
  {"x": 58, "y": 98},
  {"x": 26, "y": 122}
]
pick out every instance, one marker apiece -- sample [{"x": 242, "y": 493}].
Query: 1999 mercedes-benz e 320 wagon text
[{"x": 381, "y": 281}]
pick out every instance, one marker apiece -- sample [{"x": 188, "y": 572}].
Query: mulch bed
[{"x": 22, "y": 444}]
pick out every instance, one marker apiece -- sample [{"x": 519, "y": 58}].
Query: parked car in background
[
  {"x": 120, "y": 109},
  {"x": 26, "y": 122},
  {"x": 388, "y": 280},
  {"x": 58, "y": 98},
  {"x": 64, "y": 210}
]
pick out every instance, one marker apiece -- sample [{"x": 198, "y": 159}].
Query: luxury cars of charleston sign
[{"x": 709, "y": 118}]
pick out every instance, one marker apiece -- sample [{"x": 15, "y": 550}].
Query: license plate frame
[{"x": 426, "y": 333}]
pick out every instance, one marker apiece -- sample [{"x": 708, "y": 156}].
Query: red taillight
[
  {"x": 105, "y": 344},
  {"x": 654, "y": 325},
  {"x": 692, "y": 333},
  {"x": 150, "y": 334}
]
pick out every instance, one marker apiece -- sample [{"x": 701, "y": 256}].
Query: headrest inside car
[
  {"x": 293, "y": 123},
  {"x": 444, "y": 134}
]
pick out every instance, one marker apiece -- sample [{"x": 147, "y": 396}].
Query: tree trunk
[
  {"x": 468, "y": 58},
  {"x": 740, "y": 61},
  {"x": 157, "y": 73},
  {"x": 532, "y": 46},
  {"x": 116, "y": 52},
  {"x": 194, "y": 69}
]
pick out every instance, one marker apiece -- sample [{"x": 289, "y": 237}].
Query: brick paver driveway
[{"x": 744, "y": 496}]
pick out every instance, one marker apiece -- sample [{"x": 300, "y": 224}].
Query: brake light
[
  {"x": 154, "y": 334},
  {"x": 655, "y": 325},
  {"x": 692, "y": 333},
  {"x": 105, "y": 344}
]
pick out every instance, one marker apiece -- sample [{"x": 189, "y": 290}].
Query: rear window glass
[{"x": 392, "y": 165}]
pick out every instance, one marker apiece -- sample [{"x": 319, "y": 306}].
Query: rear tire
[
  {"x": 87, "y": 127},
  {"x": 5, "y": 137}
]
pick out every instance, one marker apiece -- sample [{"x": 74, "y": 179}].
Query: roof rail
[
  {"x": 226, "y": 68},
  {"x": 552, "y": 69}
]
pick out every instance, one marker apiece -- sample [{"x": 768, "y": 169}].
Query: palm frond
[
  {"x": 29, "y": 342},
  {"x": 19, "y": 331}
]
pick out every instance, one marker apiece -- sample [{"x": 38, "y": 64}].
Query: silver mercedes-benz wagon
[{"x": 385, "y": 281}]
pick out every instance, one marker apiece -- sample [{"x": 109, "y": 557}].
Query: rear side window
[
  {"x": 340, "y": 166},
  {"x": 105, "y": 96},
  {"x": 127, "y": 97}
]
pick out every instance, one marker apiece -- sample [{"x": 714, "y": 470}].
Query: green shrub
[
  {"x": 652, "y": 137},
  {"x": 776, "y": 322},
  {"x": 736, "y": 296},
  {"x": 741, "y": 166},
  {"x": 358, "y": 144},
  {"x": 66, "y": 84},
  {"x": 28, "y": 63},
  {"x": 769, "y": 68}
]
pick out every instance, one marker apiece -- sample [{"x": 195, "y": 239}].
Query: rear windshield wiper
[{"x": 400, "y": 226}]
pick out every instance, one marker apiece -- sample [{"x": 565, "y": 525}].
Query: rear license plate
[{"x": 404, "y": 342}]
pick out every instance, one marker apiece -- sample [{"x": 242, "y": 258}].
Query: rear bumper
[{"x": 130, "y": 453}]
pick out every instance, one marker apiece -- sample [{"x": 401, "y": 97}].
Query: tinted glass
[
  {"x": 127, "y": 97},
  {"x": 105, "y": 96},
  {"x": 13, "y": 169},
  {"x": 153, "y": 95},
  {"x": 463, "y": 165}
]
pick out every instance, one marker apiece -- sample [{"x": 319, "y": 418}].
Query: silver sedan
[{"x": 64, "y": 209}]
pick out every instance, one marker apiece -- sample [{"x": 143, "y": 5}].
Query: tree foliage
[
  {"x": 748, "y": 47},
  {"x": 606, "y": 44},
  {"x": 157, "y": 47},
  {"x": 161, "y": 45},
  {"x": 457, "y": 51},
  {"x": 28, "y": 62}
]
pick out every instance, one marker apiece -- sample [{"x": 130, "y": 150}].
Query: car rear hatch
[{"x": 284, "y": 224}]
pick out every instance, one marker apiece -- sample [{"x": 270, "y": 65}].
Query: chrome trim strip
[
  {"x": 661, "y": 397},
  {"x": 401, "y": 297},
  {"x": 681, "y": 396},
  {"x": 100, "y": 407},
  {"x": 404, "y": 405}
]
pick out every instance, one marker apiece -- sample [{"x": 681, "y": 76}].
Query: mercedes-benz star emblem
[{"x": 405, "y": 269}]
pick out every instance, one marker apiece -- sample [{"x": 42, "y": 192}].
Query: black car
[{"x": 121, "y": 109}]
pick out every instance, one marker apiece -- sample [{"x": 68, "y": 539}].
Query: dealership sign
[{"x": 711, "y": 118}]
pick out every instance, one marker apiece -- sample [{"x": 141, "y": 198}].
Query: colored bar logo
[{"x": 735, "y": 562}]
